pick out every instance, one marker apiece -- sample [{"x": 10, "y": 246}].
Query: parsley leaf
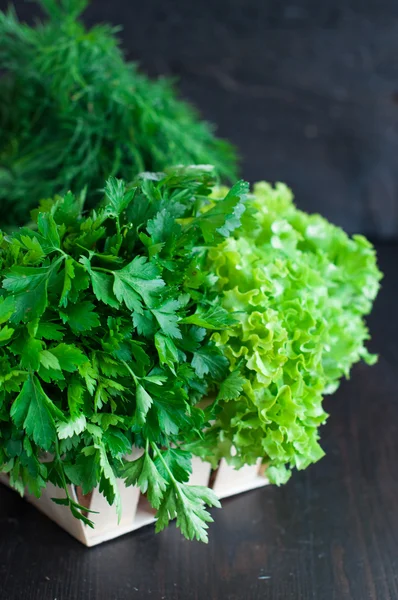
[
  {"x": 143, "y": 404},
  {"x": 167, "y": 317},
  {"x": 33, "y": 411},
  {"x": 143, "y": 472},
  {"x": 209, "y": 360},
  {"x": 137, "y": 282},
  {"x": 80, "y": 317},
  {"x": 231, "y": 387},
  {"x": 29, "y": 288},
  {"x": 224, "y": 217},
  {"x": 187, "y": 504},
  {"x": 69, "y": 357},
  {"x": 212, "y": 317},
  {"x": 102, "y": 284}
]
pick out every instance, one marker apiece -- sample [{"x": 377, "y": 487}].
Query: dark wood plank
[{"x": 330, "y": 534}]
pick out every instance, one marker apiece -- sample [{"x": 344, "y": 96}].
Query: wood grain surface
[{"x": 330, "y": 534}]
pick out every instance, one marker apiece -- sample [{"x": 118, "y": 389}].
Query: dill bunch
[{"x": 73, "y": 112}]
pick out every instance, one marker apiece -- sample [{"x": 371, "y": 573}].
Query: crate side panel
[{"x": 230, "y": 481}]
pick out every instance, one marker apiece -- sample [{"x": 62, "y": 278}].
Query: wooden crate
[{"x": 137, "y": 512}]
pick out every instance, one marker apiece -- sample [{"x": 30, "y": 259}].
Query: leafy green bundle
[
  {"x": 106, "y": 322},
  {"x": 300, "y": 288},
  {"x": 117, "y": 325},
  {"x": 73, "y": 112}
]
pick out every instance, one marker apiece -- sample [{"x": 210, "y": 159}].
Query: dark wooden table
[{"x": 330, "y": 534}]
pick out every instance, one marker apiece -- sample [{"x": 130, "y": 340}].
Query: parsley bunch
[
  {"x": 299, "y": 287},
  {"x": 73, "y": 112},
  {"x": 105, "y": 341}
]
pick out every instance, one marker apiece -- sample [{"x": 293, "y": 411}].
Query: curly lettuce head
[{"x": 299, "y": 288}]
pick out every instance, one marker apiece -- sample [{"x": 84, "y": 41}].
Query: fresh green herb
[
  {"x": 300, "y": 288},
  {"x": 105, "y": 341},
  {"x": 73, "y": 112},
  {"x": 115, "y": 325}
]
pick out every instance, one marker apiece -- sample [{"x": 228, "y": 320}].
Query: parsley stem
[
  {"x": 173, "y": 480},
  {"x": 84, "y": 248},
  {"x": 166, "y": 466},
  {"x": 64, "y": 254},
  {"x": 134, "y": 376},
  {"x": 61, "y": 470},
  {"x": 58, "y": 261},
  {"x": 117, "y": 221},
  {"x": 102, "y": 269}
]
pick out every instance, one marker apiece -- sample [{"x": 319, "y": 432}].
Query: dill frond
[{"x": 73, "y": 112}]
